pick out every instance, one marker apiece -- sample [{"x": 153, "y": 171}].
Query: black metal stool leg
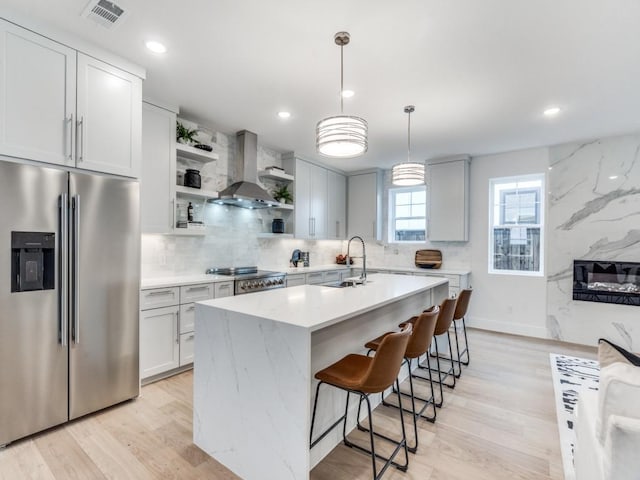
[{"x": 466, "y": 343}]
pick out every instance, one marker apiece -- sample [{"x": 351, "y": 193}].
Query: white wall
[{"x": 505, "y": 303}]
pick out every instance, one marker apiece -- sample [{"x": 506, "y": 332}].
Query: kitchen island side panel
[{"x": 251, "y": 391}]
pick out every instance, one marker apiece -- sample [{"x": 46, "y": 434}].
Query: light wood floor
[{"x": 498, "y": 423}]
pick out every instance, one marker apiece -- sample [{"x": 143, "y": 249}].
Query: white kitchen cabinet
[
  {"x": 310, "y": 194},
  {"x": 167, "y": 320},
  {"x": 158, "y": 172},
  {"x": 448, "y": 199},
  {"x": 63, "y": 107},
  {"x": 457, "y": 281},
  {"x": 336, "y": 206},
  {"x": 293, "y": 280},
  {"x": 310, "y": 198},
  {"x": 108, "y": 118},
  {"x": 223, "y": 289},
  {"x": 159, "y": 345},
  {"x": 364, "y": 205},
  {"x": 38, "y": 85},
  {"x": 314, "y": 278}
]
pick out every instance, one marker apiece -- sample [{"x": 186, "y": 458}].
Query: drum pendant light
[
  {"x": 408, "y": 173},
  {"x": 341, "y": 136}
]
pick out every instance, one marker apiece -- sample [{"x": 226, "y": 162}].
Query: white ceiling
[{"x": 480, "y": 73}]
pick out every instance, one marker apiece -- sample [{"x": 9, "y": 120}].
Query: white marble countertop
[{"x": 316, "y": 306}]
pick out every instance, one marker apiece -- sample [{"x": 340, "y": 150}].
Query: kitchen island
[{"x": 255, "y": 357}]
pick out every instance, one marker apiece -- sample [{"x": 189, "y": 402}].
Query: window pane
[
  {"x": 416, "y": 224},
  {"x": 403, "y": 198},
  {"x": 402, "y": 224},
  {"x": 403, "y": 211},
  {"x": 419, "y": 197},
  {"x": 418, "y": 210}
]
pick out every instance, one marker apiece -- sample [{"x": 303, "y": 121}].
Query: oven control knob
[
  {"x": 281, "y": 281},
  {"x": 243, "y": 286}
]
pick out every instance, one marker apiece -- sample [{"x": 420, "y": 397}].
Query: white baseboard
[{"x": 507, "y": 327}]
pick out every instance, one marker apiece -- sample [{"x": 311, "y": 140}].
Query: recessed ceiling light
[
  {"x": 613, "y": 177},
  {"x": 156, "y": 47},
  {"x": 348, "y": 93},
  {"x": 284, "y": 114},
  {"x": 551, "y": 111}
]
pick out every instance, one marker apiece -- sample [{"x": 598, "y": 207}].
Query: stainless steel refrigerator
[{"x": 69, "y": 295}]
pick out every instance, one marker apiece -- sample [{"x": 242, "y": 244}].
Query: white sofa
[{"x": 607, "y": 426}]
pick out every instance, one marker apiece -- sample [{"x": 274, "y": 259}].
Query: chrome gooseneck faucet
[{"x": 363, "y": 275}]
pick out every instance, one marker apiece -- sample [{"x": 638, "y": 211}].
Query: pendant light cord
[
  {"x": 409, "y": 138},
  {"x": 341, "y": 79}
]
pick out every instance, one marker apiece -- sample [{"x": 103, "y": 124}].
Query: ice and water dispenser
[{"x": 32, "y": 261}]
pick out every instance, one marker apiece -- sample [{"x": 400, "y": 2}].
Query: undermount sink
[{"x": 345, "y": 283}]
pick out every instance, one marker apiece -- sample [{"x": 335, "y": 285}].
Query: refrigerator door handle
[
  {"x": 76, "y": 269},
  {"x": 63, "y": 266}
]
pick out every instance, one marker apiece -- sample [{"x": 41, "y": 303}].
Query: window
[
  {"x": 516, "y": 225},
  {"x": 407, "y": 214}
]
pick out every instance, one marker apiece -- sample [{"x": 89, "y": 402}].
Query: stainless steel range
[{"x": 250, "y": 279}]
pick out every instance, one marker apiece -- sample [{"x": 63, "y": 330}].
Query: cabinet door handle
[
  {"x": 191, "y": 337},
  {"x": 162, "y": 292},
  {"x": 193, "y": 289},
  {"x": 310, "y": 227},
  {"x": 177, "y": 329},
  {"x": 70, "y": 133},
  {"x": 191, "y": 307},
  {"x": 337, "y": 228},
  {"x": 80, "y": 126}
]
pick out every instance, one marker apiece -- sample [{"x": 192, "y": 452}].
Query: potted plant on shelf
[
  {"x": 282, "y": 194},
  {"x": 184, "y": 134}
]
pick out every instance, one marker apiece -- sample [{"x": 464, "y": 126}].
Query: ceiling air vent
[{"x": 104, "y": 12}]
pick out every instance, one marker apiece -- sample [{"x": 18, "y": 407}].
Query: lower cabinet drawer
[
  {"x": 332, "y": 276},
  {"x": 187, "y": 317},
  {"x": 223, "y": 289},
  {"x": 295, "y": 280},
  {"x": 315, "y": 278},
  {"x": 159, "y": 297},
  {"x": 195, "y": 293},
  {"x": 187, "y": 341}
]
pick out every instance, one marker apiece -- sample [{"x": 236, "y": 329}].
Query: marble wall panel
[{"x": 594, "y": 214}]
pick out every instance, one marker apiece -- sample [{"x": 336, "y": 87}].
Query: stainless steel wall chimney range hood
[{"x": 247, "y": 193}]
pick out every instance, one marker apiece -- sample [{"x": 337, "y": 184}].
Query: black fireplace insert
[{"x": 606, "y": 282}]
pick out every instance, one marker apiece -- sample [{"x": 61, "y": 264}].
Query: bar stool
[
  {"x": 423, "y": 327},
  {"x": 461, "y": 311},
  {"x": 363, "y": 375},
  {"x": 445, "y": 318}
]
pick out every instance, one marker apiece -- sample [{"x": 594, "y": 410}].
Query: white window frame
[
  {"x": 392, "y": 213},
  {"x": 494, "y": 208}
]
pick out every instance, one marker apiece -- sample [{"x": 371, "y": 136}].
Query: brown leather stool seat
[
  {"x": 418, "y": 345},
  {"x": 462, "y": 304},
  {"x": 363, "y": 375}
]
